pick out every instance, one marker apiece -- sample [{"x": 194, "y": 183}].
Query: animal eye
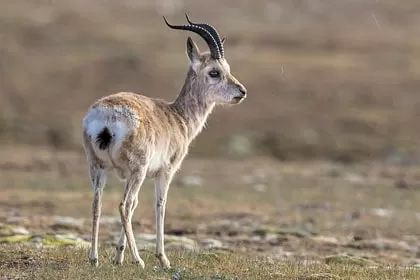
[{"x": 214, "y": 74}]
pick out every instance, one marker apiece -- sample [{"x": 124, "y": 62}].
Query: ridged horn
[
  {"x": 212, "y": 31},
  {"x": 206, "y": 34}
]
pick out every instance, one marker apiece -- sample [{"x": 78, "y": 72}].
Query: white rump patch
[{"x": 119, "y": 120}]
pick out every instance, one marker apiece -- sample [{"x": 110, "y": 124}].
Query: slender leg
[
  {"x": 98, "y": 179},
  {"x": 126, "y": 208},
  {"x": 122, "y": 241},
  {"x": 161, "y": 193}
]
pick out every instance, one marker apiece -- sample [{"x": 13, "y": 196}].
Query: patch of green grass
[{"x": 68, "y": 263}]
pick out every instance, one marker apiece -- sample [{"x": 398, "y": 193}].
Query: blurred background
[
  {"x": 328, "y": 132},
  {"x": 326, "y": 79}
]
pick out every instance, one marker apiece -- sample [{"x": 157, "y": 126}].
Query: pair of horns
[{"x": 207, "y": 32}]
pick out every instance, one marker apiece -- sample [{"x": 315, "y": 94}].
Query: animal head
[{"x": 211, "y": 70}]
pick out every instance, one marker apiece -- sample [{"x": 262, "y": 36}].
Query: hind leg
[
  {"x": 127, "y": 207},
  {"x": 122, "y": 241},
  {"x": 98, "y": 179}
]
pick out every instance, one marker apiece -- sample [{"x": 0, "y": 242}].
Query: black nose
[{"x": 242, "y": 89}]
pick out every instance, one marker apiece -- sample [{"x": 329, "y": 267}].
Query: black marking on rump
[{"x": 104, "y": 139}]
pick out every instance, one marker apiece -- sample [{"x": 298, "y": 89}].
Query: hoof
[
  {"x": 164, "y": 262},
  {"x": 94, "y": 262},
  {"x": 166, "y": 266},
  {"x": 139, "y": 263}
]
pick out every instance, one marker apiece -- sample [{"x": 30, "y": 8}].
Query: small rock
[
  {"x": 146, "y": 236},
  {"x": 354, "y": 178},
  {"x": 110, "y": 220},
  {"x": 382, "y": 212},
  {"x": 382, "y": 244},
  {"x": 272, "y": 238},
  {"x": 36, "y": 239},
  {"x": 20, "y": 230},
  {"x": 15, "y": 220},
  {"x": 256, "y": 238},
  {"x": 176, "y": 246},
  {"x": 349, "y": 260},
  {"x": 9, "y": 230},
  {"x": 66, "y": 223},
  {"x": 147, "y": 241},
  {"x": 211, "y": 243},
  {"x": 296, "y": 231},
  {"x": 326, "y": 239}
]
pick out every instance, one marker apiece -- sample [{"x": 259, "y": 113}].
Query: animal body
[{"x": 141, "y": 137}]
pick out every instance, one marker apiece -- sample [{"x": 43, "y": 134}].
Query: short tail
[{"x": 104, "y": 138}]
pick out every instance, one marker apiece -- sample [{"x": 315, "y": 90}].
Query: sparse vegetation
[
  {"x": 278, "y": 220},
  {"x": 17, "y": 262}
]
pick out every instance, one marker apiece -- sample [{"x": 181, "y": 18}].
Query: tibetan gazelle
[{"x": 141, "y": 137}]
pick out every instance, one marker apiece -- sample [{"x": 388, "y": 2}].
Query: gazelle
[{"x": 140, "y": 137}]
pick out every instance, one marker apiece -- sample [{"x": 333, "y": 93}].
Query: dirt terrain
[{"x": 289, "y": 211}]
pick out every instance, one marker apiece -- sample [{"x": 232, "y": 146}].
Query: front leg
[{"x": 161, "y": 192}]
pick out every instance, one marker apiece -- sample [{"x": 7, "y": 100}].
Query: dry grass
[
  {"x": 18, "y": 262},
  {"x": 345, "y": 202}
]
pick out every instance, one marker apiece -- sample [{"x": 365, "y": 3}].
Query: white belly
[{"x": 158, "y": 160}]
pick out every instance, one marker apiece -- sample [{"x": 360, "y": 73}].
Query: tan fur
[{"x": 150, "y": 138}]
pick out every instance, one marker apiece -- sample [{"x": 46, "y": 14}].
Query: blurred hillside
[{"x": 334, "y": 79}]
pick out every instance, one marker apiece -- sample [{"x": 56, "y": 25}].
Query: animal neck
[{"x": 192, "y": 106}]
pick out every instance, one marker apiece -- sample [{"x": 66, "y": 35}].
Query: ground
[
  {"x": 21, "y": 262},
  {"x": 297, "y": 218}
]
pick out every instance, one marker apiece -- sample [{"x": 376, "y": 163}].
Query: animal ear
[
  {"x": 193, "y": 54},
  {"x": 223, "y": 40}
]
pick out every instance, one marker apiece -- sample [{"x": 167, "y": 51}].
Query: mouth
[{"x": 237, "y": 99}]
